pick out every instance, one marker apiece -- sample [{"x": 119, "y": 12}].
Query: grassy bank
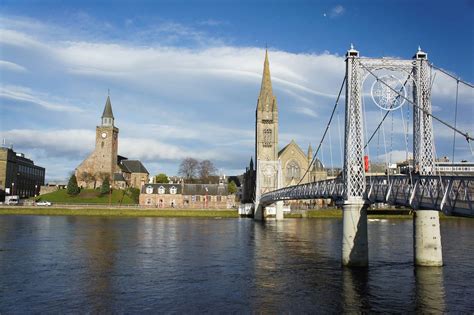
[
  {"x": 89, "y": 196},
  {"x": 120, "y": 212}
]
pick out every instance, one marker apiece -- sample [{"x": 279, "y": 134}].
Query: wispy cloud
[
  {"x": 337, "y": 11},
  {"x": 306, "y": 111},
  {"x": 212, "y": 22},
  {"x": 11, "y": 66},
  {"x": 24, "y": 94}
]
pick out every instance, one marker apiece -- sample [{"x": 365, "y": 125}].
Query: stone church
[
  {"x": 291, "y": 159},
  {"x": 104, "y": 162}
]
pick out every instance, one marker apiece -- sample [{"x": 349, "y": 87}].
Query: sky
[{"x": 184, "y": 76}]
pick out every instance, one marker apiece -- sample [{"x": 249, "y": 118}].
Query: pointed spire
[
  {"x": 310, "y": 152},
  {"x": 251, "y": 163},
  {"x": 266, "y": 88},
  {"x": 108, "y": 109}
]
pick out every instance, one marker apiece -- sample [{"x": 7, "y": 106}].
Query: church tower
[
  {"x": 266, "y": 129},
  {"x": 266, "y": 137},
  {"x": 106, "y": 142},
  {"x": 103, "y": 160}
]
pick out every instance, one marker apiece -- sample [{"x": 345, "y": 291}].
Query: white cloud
[
  {"x": 11, "y": 66},
  {"x": 306, "y": 111},
  {"x": 336, "y": 11},
  {"x": 23, "y": 94}
]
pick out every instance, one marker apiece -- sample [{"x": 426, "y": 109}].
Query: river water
[{"x": 93, "y": 264}]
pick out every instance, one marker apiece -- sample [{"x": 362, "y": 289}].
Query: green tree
[
  {"x": 105, "y": 188},
  {"x": 134, "y": 194},
  {"x": 72, "y": 187},
  {"x": 232, "y": 187},
  {"x": 161, "y": 179}
]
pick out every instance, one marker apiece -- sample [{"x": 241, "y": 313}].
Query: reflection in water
[
  {"x": 137, "y": 265},
  {"x": 100, "y": 248},
  {"x": 355, "y": 289},
  {"x": 430, "y": 295}
]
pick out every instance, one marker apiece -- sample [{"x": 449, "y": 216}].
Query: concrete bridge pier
[
  {"x": 355, "y": 251},
  {"x": 427, "y": 238},
  {"x": 258, "y": 213},
  {"x": 279, "y": 210}
]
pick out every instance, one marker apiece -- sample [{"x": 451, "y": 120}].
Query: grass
[
  {"x": 120, "y": 212},
  {"x": 87, "y": 196}
]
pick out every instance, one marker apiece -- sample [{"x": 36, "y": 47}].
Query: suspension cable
[
  {"x": 325, "y": 131},
  {"x": 464, "y": 134},
  {"x": 455, "y": 117},
  {"x": 388, "y": 111},
  {"x": 452, "y": 75}
]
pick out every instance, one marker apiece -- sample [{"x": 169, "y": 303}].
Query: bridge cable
[
  {"x": 340, "y": 138},
  {"x": 325, "y": 131},
  {"x": 364, "y": 124},
  {"x": 330, "y": 152},
  {"x": 455, "y": 117},
  {"x": 452, "y": 76},
  {"x": 464, "y": 134},
  {"x": 405, "y": 131},
  {"x": 388, "y": 111}
]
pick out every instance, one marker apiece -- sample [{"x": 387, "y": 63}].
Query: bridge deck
[{"x": 452, "y": 195}]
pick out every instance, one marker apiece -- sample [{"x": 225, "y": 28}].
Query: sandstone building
[
  {"x": 105, "y": 162},
  {"x": 293, "y": 162},
  {"x": 193, "y": 196}
]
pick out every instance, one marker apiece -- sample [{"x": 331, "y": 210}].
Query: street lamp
[
  {"x": 13, "y": 189},
  {"x": 36, "y": 190},
  {"x": 110, "y": 194}
]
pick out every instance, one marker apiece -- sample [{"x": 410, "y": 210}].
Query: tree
[
  {"x": 232, "y": 188},
  {"x": 206, "y": 169},
  {"x": 134, "y": 194},
  {"x": 72, "y": 188},
  {"x": 161, "y": 179},
  {"x": 188, "y": 168},
  {"x": 105, "y": 188}
]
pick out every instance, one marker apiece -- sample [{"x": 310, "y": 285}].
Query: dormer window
[
  {"x": 149, "y": 189},
  {"x": 173, "y": 190},
  {"x": 161, "y": 190}
]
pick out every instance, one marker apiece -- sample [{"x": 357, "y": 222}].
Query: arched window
[
  {"x": 267, "y": 137},
  {"x": 173, "y": 190},
  {"x": 161, "y": 190},
  {"x": 292, "y": 170}
]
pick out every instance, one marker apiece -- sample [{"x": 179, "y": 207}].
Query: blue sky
[{"x": 184, "y": 76}]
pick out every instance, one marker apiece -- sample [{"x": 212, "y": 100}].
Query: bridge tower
[
  {"x": 268, "y": 167},
  {"x": 427, "y": 238},
  {"x": 354, "y": 215},
  {"x": 426, "y": 229}
]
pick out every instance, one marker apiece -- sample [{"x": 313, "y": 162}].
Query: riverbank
[
  {"x": 190, "y": 213},
  {"x": 195, "y": 213}
]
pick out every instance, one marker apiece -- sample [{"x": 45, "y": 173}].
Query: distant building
[
  {"x": 105, "y": 162},
  {"x": 181, "y": 195},
  {"x": 19, "y": 175},
  {"x": 442, "y": 167},
  {"x": 295, "y": 164}
]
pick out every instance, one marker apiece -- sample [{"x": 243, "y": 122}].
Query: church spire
[
  {"x": 266, "y": 100},
  {"x": 310, "y": 152},
  {"x": 108, "y": 115}
]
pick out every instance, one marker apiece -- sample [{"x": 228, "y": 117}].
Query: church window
[
  {"x": 173, "y": 190},
  {"x": 161, "y": 190},
  {"x": 292, "y": 170},
  {"x": 267, "y": 121},
  {"x": 267, "y": 137},
  {"x": 102, "y": 144}
]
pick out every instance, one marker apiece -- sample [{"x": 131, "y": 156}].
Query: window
[
  {"x": 292, "y": 170},
  {"x": 198, "y": 198},
  {"x": 161, "y": 190},
  {"x": 148, "y": 201},
  {"x": 267, "y": 138},
  {"x": 173, "y": 190},
  {"x": 149, "y": 189},
  {"x": 102, "y": 144}
]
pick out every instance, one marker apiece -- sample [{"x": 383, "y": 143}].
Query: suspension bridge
[{"x": 421, "y": 189}]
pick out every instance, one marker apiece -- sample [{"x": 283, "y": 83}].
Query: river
[{"x": 132, "y": 265}]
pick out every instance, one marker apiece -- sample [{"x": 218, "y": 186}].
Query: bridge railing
[{"x": 450, "y": 194}]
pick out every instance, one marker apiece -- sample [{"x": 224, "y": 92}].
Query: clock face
[{"x": 104, "y": 135}]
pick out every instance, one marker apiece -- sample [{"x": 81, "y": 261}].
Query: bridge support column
[
  {"x": 258, "y": 212},
  {"x": 355, "y": 251},
  {"x": 427, "y": 238},
  {"x": 279, "y": 210}
]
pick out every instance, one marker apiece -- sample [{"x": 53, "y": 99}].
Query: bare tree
[
  {"x": 206, "y": 169},
  {"x": 189, "y": 168}
]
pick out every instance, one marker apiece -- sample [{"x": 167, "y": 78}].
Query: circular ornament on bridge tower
[{"x": 384, "y": 94}]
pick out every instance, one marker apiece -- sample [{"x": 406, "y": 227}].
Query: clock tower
[
  {"x": 103, "y": 160},
  {"x": 106, "y": 141}
]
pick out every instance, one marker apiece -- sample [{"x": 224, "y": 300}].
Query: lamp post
[
  {"x": 110, "y": 194},
  {"x": 13, "y": 189},
  {"x": 36, "y": 190}
]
